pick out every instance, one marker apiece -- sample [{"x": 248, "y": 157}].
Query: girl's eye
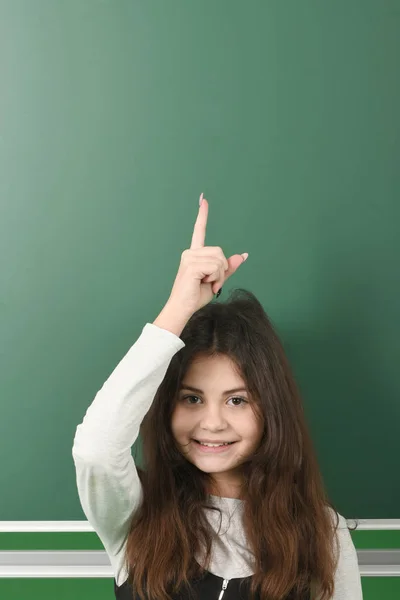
[{"x": 234, "y": 398}]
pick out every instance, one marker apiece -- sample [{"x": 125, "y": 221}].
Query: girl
[{"x": 231, "y": 504}]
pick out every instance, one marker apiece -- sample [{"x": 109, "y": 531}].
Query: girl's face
[{"x": 212, "y": 414}]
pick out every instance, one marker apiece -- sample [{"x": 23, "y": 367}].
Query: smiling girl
[{"x": 230, "y": 504}]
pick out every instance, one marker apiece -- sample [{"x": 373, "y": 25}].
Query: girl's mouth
[{"x": 213, "y": 449}]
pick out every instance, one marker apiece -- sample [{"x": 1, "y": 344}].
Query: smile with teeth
[
  {"x": 213, "y": 448},
  {"x": 213, "y": 445}
]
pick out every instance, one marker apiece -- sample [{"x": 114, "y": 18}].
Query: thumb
[{"x": 234, "y": 263}]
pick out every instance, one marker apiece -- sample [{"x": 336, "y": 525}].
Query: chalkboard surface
[{"x": 114, "y": 117}]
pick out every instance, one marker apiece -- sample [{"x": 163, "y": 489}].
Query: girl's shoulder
[{"x": 338, "y": 520}]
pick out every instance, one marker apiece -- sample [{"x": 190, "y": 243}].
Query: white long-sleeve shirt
[{"x": 108, "y": 483}]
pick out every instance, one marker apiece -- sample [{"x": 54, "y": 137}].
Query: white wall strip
[
  {"x": 84, "y": 526},
  {"x": 376, "y": 524},
  {"x": 45, "y": 526},
  {"x": 95, "y": 563},
  {"x": 379, "y": 563}
]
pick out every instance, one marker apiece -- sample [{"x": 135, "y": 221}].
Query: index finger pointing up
[{"x": 199, "y": 230}]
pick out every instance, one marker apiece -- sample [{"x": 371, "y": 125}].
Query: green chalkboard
[{"x": 114, "y": 117}]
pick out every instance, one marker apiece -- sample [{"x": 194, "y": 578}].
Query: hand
[{"x": 203, "y": 269}]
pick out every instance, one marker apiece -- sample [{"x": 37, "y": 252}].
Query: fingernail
[
  {"x": 201, "y": 198},
  {"x": 245, "y": 255},
  {"x": 218, "y": 293}
]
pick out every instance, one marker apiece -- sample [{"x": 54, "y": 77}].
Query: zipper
[{"x": 224, "y": 586}]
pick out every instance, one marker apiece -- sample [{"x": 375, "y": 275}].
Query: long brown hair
[{"x": 287, "y": 517}]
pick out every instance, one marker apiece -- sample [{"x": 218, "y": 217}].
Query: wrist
[{"x": 171, "y": 319}]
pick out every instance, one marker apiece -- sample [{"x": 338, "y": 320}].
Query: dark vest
[{"x": 209, "y": 587}]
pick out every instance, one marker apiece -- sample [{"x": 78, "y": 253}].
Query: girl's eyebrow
[{"x": 199, "y": 391}]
